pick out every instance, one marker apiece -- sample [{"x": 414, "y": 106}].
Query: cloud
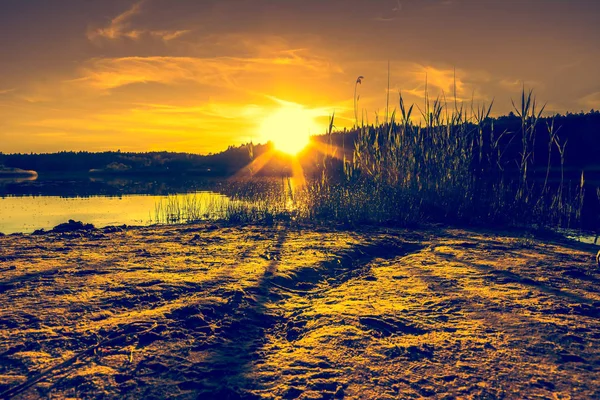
[
  {"x": 392, "y": 14},
  {"x": 443, "y": 79},
  {"x": 117, "y": 27},
  {"x": 51, "y": 134},
  {"x": 211, "y": 111},
  {"x": 6, "y": 91},
  {"x": 203, "y": 128},
  {"x": 169, "y": 35},
  {"x": 121, "y": 27},
  {"x": 110, "y": 73},
  {"x": 414, "y": 78},
  {"x": 384, "y": 19},
  {"x": 591, "y": 100},
  {"x": 36, "y": 98}
]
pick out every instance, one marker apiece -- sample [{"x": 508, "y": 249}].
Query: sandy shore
[{"x": 209, "y": 311}]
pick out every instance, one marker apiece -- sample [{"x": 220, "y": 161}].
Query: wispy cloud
[
  {"x": 438, "y": 80},
  {"x": 442, "y": 79},
  {"x": 145, "y": 124},
  {"x": 391, "y": 14},
  {"x": 121, "y": 27},
  {"x": 109, "y": 73},
  {"x": 6, "y": 91},
  {"x": 591, "y": 100},
  {"x": 516, "y": 85},
  {"x": 118, "y": 26}
]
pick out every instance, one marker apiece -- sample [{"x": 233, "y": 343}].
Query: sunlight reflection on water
[{"x": 28, "y": 213}]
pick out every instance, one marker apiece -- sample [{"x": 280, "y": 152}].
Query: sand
[{"x": 290, "y": 311}]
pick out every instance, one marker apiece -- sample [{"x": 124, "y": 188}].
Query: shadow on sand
[{"x": 224, "y": 372}]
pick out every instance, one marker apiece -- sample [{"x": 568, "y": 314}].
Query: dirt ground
[{"x": 209, "y": 311}]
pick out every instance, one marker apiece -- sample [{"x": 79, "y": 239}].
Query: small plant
[{"x": 248, "y": 201}]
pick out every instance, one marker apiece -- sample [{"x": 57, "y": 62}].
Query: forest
[{"x": 578, "y": 134}]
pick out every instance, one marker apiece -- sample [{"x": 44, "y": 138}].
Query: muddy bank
[{"x": 250, "y": 312}]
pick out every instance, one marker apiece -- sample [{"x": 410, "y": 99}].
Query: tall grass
[
  {"x": 452, "y": 167},
  {"x": 189, "y": 208},
  {"x": 246, "y": 201}
]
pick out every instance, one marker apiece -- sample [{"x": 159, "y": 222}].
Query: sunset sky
[{"x": 200, "y": 75}]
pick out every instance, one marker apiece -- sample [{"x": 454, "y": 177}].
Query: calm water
[
  {"x": 29, "y": 205},
  {"x": 26, "y": 214}
]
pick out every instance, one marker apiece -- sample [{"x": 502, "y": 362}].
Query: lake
[
  {"x": 30, "y": 204},
  {"x": 27, "y": 205}
]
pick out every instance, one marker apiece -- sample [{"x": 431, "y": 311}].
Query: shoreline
[{"x": 574, "y": 236}]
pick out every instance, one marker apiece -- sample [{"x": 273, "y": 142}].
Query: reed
[
  {"x": 452, "y": 167},
  {"x": 246, "y": 201}
]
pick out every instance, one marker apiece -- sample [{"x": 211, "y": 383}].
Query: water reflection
[
  {"x": 21, "y": 179},
  {"x": 84, "y": 186},
  {"x": 27, "y": 205},
  {"x": 26, "y": 214}
]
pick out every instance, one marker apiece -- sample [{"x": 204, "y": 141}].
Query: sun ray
[
  {"x": 331, "y": 150},
  {"x": 256, "y": 165},
  {"x": 298, "y": 174}
]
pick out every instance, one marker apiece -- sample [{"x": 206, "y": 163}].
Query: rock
[
  {"x": 72, "y": 226},
  {"x": 112, "y": 229}
]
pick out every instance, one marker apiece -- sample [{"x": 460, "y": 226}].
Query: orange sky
[{"x": 199, "y": 76}]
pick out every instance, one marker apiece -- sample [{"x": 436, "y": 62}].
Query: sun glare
[{"x": 289, "y": 128}]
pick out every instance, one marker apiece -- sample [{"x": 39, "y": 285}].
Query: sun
[{"x": 289, "y": 128}]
